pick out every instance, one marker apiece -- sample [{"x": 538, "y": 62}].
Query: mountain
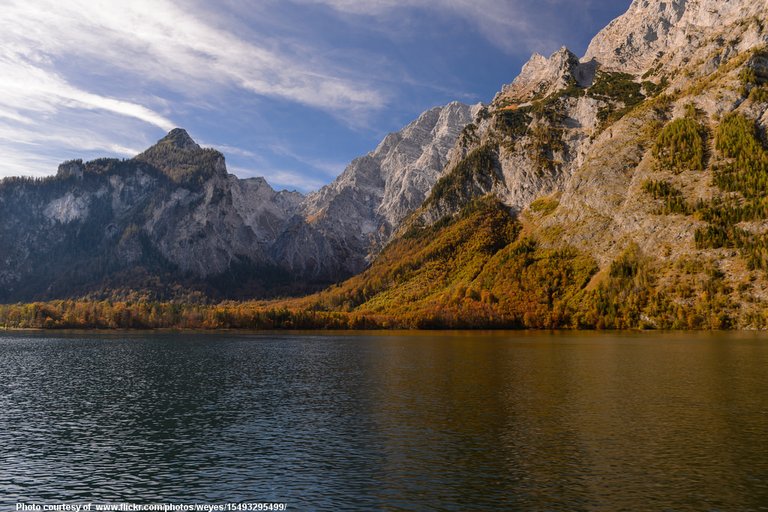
[
  {"x": 344, "y": 224},
  {"x": 167, "y": 221},
  {"x": 623, "y": 189},
  {"x": 172, "y": 223}
]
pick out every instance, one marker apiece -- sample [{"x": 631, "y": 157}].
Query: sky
[{"x": 291, "y": 90}]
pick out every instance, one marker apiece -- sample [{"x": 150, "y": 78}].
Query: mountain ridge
[
  {"x": 171, "y": 222},
  {"x": 624, "y": 189}
]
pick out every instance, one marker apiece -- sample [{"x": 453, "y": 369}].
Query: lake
[{"x": 387, "y": 421}]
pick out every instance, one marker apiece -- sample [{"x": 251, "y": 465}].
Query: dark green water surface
[{"x": 392, "y": 421}]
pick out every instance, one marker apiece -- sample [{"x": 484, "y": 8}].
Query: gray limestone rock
[{"x": 347, "y": 222}]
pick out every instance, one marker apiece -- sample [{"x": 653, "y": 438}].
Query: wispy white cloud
[
  {"x": 36, "y": 149},
  {"x": 98, "y": 138},
  {"x": 228, "y": 149},
  {"x": 19, "y": 162},
  {"x": 330, "y": 168},
  {"x": 60, "y": 59},
  {"x": 26, "y": 88},
  {"x": 513, "y": 25},
  {"x": 160, "y": 41},
  {"x": 38, "y": 159}
]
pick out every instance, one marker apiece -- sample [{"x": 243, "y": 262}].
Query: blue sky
[{"x": 291, "y": 90}]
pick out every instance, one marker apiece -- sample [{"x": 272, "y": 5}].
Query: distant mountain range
[
  {"x": 171, "y": 223},
  {"x": 626, "y": 188}
]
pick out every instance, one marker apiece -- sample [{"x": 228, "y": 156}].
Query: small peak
[
  {"x": 540, "y": 77},
  {"x": 182, "y": 159},
  {"x": 563, "y": 57},
  {"x": 256, "y": 181},
  {"x": 455, "y": 106},
  {"x": 179, "y": 138}
]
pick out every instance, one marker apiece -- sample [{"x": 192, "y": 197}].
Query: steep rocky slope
[
  {"x": 636, "y": 175},
  {"x": 669, "y": 33}
]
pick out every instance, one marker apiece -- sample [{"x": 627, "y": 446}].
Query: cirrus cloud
[{"x": 294, "y": 87}]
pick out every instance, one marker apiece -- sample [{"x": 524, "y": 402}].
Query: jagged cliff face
[
  {"x": 345, "y": 223},
  {"x": 528, "y": 142},
  {"x": 655, "y": 32},
  {"x": 542, "y": 77},
  {"x": 171, "y": 215},
  {"x": 699, "y": 52}
]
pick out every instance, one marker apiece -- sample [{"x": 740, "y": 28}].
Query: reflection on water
[{"x": 426, "y": 421}]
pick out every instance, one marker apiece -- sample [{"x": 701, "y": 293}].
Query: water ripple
[{"x": 448, "y": 421}]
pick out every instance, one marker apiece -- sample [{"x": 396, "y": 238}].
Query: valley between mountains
[{"x": 622, "y": 189}]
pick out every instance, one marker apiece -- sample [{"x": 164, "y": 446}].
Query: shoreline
[{"x": 397, "y": 331}]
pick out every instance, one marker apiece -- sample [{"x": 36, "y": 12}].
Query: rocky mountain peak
[
  {"x": 651, "y": 29},
  {"x": 346, "y": 222},
  {"x": 417, "y": 152},
  {"x": 542, "y": 76},
  {"x": 180, "y": 139},
  {"x": 182, "y": 159}
]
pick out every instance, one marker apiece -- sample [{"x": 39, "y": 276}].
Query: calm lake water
[{"x": 425, "y": 421}]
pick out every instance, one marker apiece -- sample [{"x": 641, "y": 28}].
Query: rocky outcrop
[
  {"x": 542, "y": 77},
  {"x": 593, "y": 166},
  {"x": 527, "y": 143},
  {"x": 652, "y": 31}
]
